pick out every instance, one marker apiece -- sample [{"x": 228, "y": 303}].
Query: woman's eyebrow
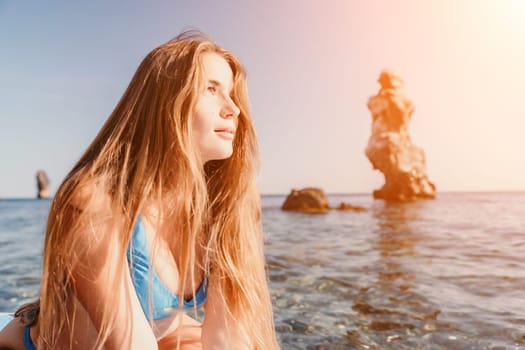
[{"x": 215, "y": 82}]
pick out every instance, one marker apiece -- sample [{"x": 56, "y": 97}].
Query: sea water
[{"x": 443, "y": 274}]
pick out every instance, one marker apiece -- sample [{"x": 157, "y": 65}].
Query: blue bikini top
[{"x": 164, "y": 302}]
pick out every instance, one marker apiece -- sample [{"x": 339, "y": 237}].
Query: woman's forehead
[{"x": 215, "y": 68}]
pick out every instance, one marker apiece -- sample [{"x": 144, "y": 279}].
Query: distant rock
[
  {"x": 312, "y": 200},
  {"x": 308, "y": 200},
  {"x": 349, "y": 207},
  {"x": 42, "y": 182},
  {"x": 390, "y": 149}
]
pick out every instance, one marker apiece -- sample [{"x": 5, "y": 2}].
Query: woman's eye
[{"x": 212, "y": 89}]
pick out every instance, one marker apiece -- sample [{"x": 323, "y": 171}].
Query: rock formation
[
  {"x": 313, "y": 201},
  {"x": 390, "y": 149},
  {"x": 308, "y": 200},
  {"x": 349, "y": 207},
  {"x": 42, "y": 183}
]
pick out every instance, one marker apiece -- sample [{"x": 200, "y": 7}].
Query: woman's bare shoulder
[
  {"x": 11, "y": 337},
  {"x": 91, "y": 195},
  {"x": 90, "y": 216}
]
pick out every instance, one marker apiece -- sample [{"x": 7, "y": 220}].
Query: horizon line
[{"x": 326, "y": 193}]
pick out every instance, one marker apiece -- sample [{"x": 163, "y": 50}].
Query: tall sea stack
[
  {"x": 42, "y": 183},
  {"x": 390, "y": 149}
]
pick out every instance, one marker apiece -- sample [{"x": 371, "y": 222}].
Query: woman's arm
[
  {"x": 219, "y": 330},
  {"x": 102, "y": 283},
  {"x": 101, "y": 286},
  {"x": 190, "y": 335},
  {"x": 12, "y": 335}
]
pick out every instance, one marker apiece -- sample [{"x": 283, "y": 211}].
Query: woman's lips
[{"x": 227, "y": 134}]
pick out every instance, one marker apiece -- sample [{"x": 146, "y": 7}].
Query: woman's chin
[{"x": 220, "y": 156}]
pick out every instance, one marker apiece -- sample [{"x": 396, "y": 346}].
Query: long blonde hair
[{"x": 143, "y": 154}]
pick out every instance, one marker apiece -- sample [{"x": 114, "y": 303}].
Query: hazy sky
[{"x": 312, "y": 65}]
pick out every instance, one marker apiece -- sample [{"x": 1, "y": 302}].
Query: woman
[{"x": 162, "y": 208}]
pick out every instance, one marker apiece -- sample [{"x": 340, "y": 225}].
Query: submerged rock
[
  {"x": 349, "y": 207},
  {"x": 390, "y": 148},
  {"x": 42, "y": 183}
]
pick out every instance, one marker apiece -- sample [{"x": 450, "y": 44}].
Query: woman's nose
[{"x": 230, "y": 109}]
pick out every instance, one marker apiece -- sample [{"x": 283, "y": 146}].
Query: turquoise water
[
  {"x": 4, "y": 319},
  {"x": 441, "y": 274}
]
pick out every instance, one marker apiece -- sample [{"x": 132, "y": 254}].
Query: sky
[{"x": 312, "y": 65}]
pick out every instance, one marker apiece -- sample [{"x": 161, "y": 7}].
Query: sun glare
[{"x": 513, "y": 14}]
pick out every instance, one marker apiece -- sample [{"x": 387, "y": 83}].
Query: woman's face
[{"x": 215, "y": 114}]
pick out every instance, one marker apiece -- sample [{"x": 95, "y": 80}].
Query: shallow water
[
  {"x": 441, "y": 274},
  {"x": 22, "y": 228}
]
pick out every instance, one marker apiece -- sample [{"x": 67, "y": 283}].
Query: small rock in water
[
  {"x": 339, "y": 325},
  {"x": 325, "y": 285},
  {"x": 391, "y": 338},
  {"x": 299, "y": 326},
  {"x": 283, "y": 303},
  {"x": 429, "y": 327},
  {"x": 302, "y": 281},
  {"x": 284, "y": 328},
  {"x": 295, "y": 299}
]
